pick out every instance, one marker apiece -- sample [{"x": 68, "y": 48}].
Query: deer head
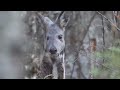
[{"x": 54, "y": 38}]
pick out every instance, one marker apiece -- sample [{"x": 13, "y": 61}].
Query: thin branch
[
  {"x": 72, "y": 70},
  {"x": 64, "y": 69},
  {"x": 86, "y": 31},
  {"x": 115, "y": 13},
  {"x": 48, "y": 76},
  {"x": 103, "y": 34},
  {"x": 81, "y": 42},
  {"x": 108, "y": 20},
  {"x": 80, "y": 70}
]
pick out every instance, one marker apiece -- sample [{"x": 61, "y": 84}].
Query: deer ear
[
  {"x": 45, "y": 20},
  {"x": 64, "y": 22}
]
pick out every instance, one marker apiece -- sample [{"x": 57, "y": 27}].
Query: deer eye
[
  {"x": 47, "y": 38},
  {"x": 60, "y": 37}
]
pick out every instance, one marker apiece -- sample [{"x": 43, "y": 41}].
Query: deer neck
[{"x": 59, "y": 60}]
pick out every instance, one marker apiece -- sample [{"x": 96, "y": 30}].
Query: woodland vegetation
[{"x": 92, "y": 39}]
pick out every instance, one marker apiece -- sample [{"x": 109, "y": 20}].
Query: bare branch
[
  {"x": 108, "y": 20},
  {"x": 48, "y": 76},
  {"x": 72, "y": 70},
  {"x": 64, "y": 69},
  {"x": 80, "y": 44}
]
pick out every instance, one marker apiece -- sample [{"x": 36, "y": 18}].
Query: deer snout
[{"x": 53, "y": 51}]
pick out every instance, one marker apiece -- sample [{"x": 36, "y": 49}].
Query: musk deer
[{"x": 53, "y": 63}]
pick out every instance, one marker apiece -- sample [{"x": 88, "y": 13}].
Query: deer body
[{"x": 53, "y": 62}]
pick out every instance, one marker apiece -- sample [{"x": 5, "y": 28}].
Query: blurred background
[{"x": 91, "y": 38}]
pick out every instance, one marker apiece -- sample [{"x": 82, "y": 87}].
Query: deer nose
[{"x": 53, "y": 51}]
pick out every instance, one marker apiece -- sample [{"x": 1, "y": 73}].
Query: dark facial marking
[
  {"x": 47, "y": 38},
  {"x": 60, "y": 37}
]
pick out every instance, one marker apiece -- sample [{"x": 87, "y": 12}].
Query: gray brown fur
[{"x": 52, "y": 64}]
